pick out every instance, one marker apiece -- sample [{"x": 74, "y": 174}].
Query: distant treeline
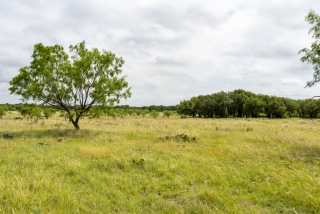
[
  {"x": 160, "y": 108},
  {"x": 36, "y": 112},
  {"x": 237, "y": 103},
  {"x": 241, "y": 103}
]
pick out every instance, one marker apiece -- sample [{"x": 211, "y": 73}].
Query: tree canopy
[
  {"x": 312, "y": 55},
  {"x": 241, "y": 103},
  {"x": 72, "y": 84}
]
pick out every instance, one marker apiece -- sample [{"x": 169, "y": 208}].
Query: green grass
[{"x": 122, "y": 166}]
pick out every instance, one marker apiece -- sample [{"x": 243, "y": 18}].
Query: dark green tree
[
  {"x": 238, "y": 99},
  {"x": 312, "y": 55},
  {"x": 310, "y": 108},
  {"x": 153, "y": 107},
  {"x": 223, "y": 104},
  {"x": 292, "y": 107},
  {"x": 276, "y": 107},
  {"x": 205, "y": 105},
  {"x": 199, "y": 105},
  {"x": 254, "y": 106},
  {"x": 74, "y": 85},
  {"x": 186, "y": 108}
]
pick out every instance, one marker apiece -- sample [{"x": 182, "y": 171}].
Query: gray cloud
[
  {"x": 265, "y": 84},
  {"x": 187, "y": 18},
  {"x": 172, "y": 49},
  {"x": 169, "y": 61}
]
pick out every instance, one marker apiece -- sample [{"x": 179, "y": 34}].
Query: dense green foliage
[
  {"x": 73, "y": 85},
  {"x": 241, "y": 103},
  {"x": 312, "y": 55}
]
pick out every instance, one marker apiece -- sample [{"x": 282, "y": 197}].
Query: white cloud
[
  {"x": 291, "y": 81},
  {"x": 236, "y": 77}
]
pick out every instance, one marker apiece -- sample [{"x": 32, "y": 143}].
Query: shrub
[
  {"x": 48, "y": 112},
  {"x": 167, "y": 113},
  {"x": 36, "y": 112},
  {"x": 262, "y": 115},
  {"x": 111, "y": 113},
  {"x": 3, "y": 110},
  {"x": 154, "y": 114},
  {"x": 183, "y": 116},
  {"x": 144, "y": 112}
]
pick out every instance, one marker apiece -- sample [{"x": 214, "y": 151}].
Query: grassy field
[{"x": 146, "y": 165}]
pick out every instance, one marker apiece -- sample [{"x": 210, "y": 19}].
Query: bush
[
  {"x": 144, "y": 112},
  {"x": 48, "y": 112},
  {"x": 121, "y": 112},
  {"x": 183, "y": 116},
  {"x": 154, "y": 114},
  {"x": 3, "y": 111},
  {"x": 111, "y": 113},
  {"x": 167, "y": 113},
  {"x": 286, "y": 115},
  {"x": 138, "y": 111},
  {"x": 130, "y": 111},
  {"x": 262, "y": 115}
]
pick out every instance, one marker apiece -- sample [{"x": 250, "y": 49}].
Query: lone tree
[
  {"x": 312, "y": 55},
  {"x": 74, "y": 85}
]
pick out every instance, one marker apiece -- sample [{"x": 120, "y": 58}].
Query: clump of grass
[
  {"x": 138, "y": 163},
  {"x": 248, "y": 129},
  {"x": 8, "y": 136},
  {"x": 241, "y": 128},
  {"x": 179, "y": 137}
]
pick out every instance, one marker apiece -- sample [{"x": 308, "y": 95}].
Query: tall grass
[{"x": 122, "y": 166}]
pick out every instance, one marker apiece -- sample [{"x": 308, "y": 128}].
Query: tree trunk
[{"x": 75, "y": 123}]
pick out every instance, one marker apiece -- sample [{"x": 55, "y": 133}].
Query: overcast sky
[{"x": 173, "y": 50}]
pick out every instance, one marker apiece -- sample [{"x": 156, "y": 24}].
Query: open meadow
[{"x": 163, "y": 165}]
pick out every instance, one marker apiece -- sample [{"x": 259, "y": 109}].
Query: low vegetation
[{"x": 121, "y": 165}]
